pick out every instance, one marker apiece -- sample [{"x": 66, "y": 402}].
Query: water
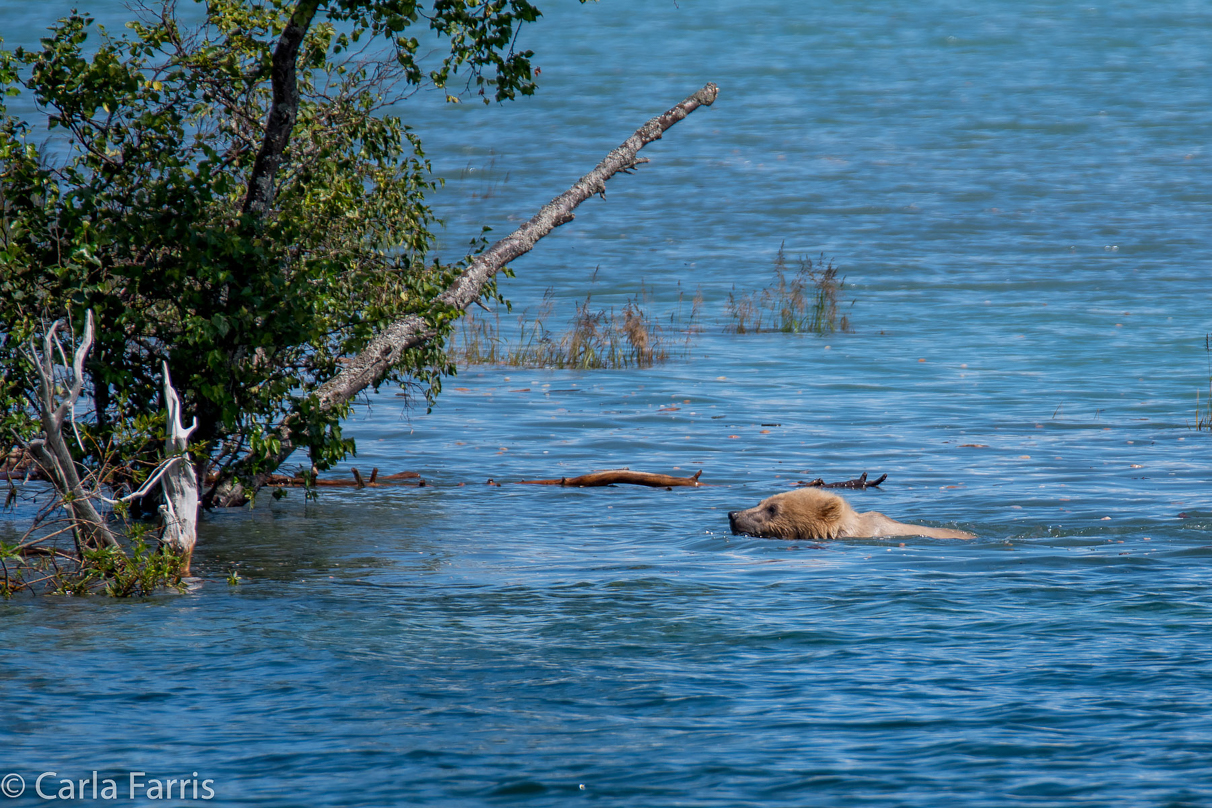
[{"x": 1018, "y": 194}]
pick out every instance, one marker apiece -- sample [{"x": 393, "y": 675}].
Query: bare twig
[{"x": 859, "y": 483}]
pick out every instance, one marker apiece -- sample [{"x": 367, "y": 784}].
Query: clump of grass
[
  {"x": 488, "y": 187},
  {"x": 604, "y": 339},
  {"x": 1203, "y": 417},
  {"x": 680, "y": 320},
  {"x": 802, "y": 300},
  {"x": 595, "y": 339},
  {"x": 478, "y": 339},
  {"x": 688, "y": 324}
]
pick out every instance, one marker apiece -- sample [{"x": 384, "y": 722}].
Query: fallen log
[
  {"x": 617, "y": 476},
  {"x": 385, "y": 350},
  {"x": 858, "y": 483}
]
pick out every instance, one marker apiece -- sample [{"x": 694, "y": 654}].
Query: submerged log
[
  {"x": 17, "y": 464},
  {"x": 376, "y": 480},
  {"x": 11, "y": 459},
  {"x": 617, "y": 476},
  {"x": 860, "y": 482}
]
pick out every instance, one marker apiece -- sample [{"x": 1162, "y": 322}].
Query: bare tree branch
[{"x": 385, "y": 350}]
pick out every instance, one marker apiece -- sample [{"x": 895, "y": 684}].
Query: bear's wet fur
[{"x": 813, "y": 515}]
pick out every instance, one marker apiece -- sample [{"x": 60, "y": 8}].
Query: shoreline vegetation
[
  {"x": 802, "y": 298},
  {"x": 273, "y": 284}
]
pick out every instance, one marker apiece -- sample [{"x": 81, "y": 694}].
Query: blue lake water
[{"x": 1020, "y": 198}]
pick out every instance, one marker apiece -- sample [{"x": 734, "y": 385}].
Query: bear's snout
[{"x": 732, "y": 515}]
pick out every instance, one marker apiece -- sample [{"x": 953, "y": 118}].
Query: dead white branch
[
  {"x": 180, "y": 508},
  {"x": 51, "y": 452}
]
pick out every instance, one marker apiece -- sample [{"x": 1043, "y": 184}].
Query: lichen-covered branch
[{"x": 384, "y": 351}]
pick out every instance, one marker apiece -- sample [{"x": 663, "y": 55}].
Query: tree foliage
[{"x": 135, "y": 208}]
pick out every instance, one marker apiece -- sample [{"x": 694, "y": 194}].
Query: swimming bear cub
[{"x": 813, "y": 514}]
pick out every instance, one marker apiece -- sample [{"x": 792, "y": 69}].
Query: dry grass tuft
[
  {"x": 596, "y": 339},
  {"x": 1203, "y": 417},
  {"x": 803, "y": 301}
]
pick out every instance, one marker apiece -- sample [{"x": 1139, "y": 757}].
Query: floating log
[
  {"x": 860, "y": 482},
  {"x": 617, "y": 476}
]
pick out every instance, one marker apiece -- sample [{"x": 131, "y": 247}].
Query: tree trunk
[
  {"x": 283, "y": 111},
  {"x": 387, "y": 348}
]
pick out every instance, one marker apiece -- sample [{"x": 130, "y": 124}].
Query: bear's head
[{"x": 806, "y": 513}]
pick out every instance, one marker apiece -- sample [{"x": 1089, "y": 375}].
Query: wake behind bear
[{"x": 812, "y": 514}]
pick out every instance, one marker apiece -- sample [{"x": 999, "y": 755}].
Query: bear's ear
[{"x": 831, "y": 510}]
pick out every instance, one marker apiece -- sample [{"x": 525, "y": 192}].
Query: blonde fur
[{"x": 813, "y": 514}]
